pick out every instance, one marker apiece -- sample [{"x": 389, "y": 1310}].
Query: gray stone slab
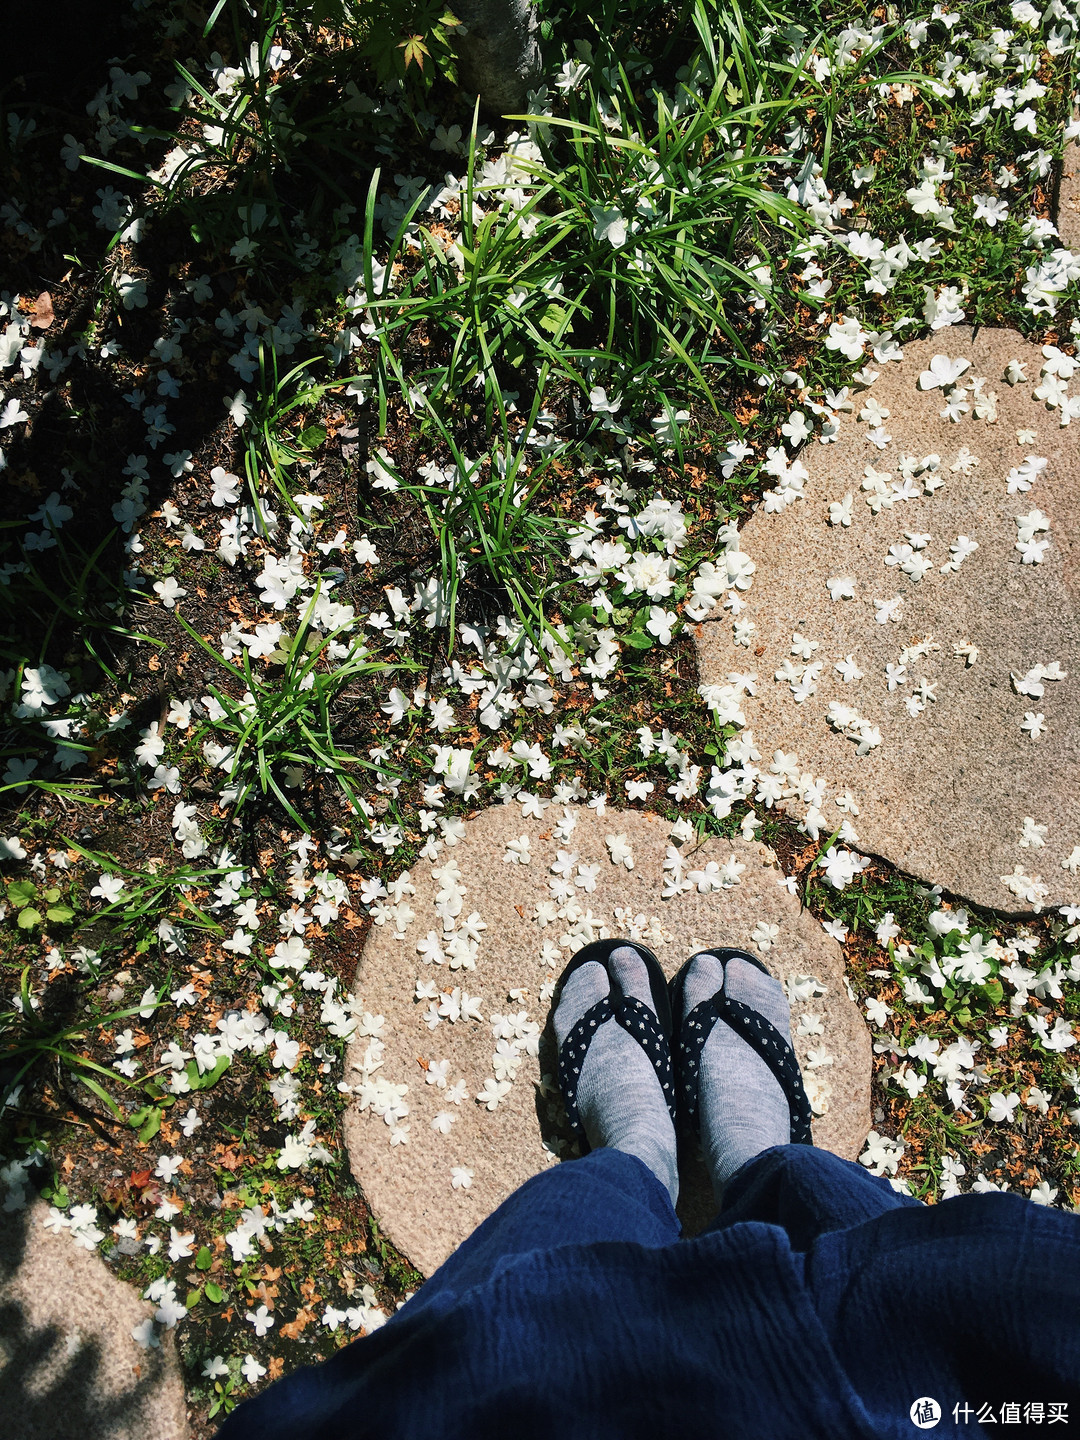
[
  {"x": 946, "y": 793},
  {"x": 69, "y": 1368},
  {"x": 408, "y": 1185}
]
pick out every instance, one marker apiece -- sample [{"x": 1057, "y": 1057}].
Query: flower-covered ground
[{"x": 367, "y": 462}]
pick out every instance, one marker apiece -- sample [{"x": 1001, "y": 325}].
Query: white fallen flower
[
  {"x": 518, "y": 852},
  {"x": 1029, "y": 888},
  {"x": 851, "y": 724},
  {"x": 839, "y": 867},
  {"x": 840, "y": 510},
  {"x": 841, "y": 587},
  {"x": 765, "y": 935},
  {"x": 943, "y": 372},
  {"x": 492, "y": 1093},
  {"x": 1032, "y": 684},
  {"x": 882, "y": 1154}
]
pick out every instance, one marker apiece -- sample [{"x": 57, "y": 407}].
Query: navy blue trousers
[{"x": 819, "y": 1303}]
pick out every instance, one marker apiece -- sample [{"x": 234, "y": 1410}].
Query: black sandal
[
  {"x": 694, "y": 1029},
  {"x": 652, "y": 1032}
]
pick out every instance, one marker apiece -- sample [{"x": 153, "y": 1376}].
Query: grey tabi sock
[
  {"x": 619, "y": 1097},
  {"x": 741, "y": 1107}
]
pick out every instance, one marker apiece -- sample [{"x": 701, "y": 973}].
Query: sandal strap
[
  {"x": 572, "y": 1055},
  {"x": 763, "y": 1038},
  {"x": 640, "y": 1023}
]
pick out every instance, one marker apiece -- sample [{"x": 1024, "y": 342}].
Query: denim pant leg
[
  {"x": 807, "y": 1192},
  {"x": 606, "y": 1195}
]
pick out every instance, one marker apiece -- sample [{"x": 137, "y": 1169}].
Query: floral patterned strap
[{"x": 763, "y": 1038}]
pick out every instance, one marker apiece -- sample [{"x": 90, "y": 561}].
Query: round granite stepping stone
[
  {"x": 69, "y": 1367},
  {"x": 957, "y": 792},
  {"x": 410, "y": 1185}
]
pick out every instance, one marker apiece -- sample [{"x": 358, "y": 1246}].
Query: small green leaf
[
  {"x": 638, "y": 640},
  {"x": 193, "y": 1298},
  {"x": 203, "y": 1260},
  {"x": 212, "y": 1076},
  {"x": 152, "y": 1126},
  {"x": 20, "y": 893},
  {"x": 57, "y": 1196},
  {"x": 553, "y": 318},
  {"x": 311, "y": 437},
  {"x": 28, "y": 918},
  {"x": 213, "y": 1293},
  {"x": 60, "y": 914},
  {"x": 51, "y": 895}
]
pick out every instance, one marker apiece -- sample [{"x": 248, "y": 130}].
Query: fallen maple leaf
[
  {"x": 292, "y": 1329},
  {"x": 43, "y": 313}
]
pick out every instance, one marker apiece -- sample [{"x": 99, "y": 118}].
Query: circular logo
[{"x": 925, "y": 1413}]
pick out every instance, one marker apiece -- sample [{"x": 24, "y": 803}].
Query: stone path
[
  {"x": 69, "y": 1368},
  {"x": 946, "y": 652},
  {"x": 409, "y": 1185}
]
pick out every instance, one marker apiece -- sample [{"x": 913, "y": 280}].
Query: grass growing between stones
[{"x": 331, "y": 518}]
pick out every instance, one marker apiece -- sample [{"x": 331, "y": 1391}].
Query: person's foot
[
  {"x": 619, "y": 1097},
  {"x": 742, "y": 1109}
]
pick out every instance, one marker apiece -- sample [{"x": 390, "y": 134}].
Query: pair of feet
[{"x": 623, "y": 1069}]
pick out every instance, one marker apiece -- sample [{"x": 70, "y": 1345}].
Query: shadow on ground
[{"x": 69, "y": 1368}]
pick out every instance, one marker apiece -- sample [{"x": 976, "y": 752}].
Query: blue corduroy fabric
[{"x": 818, "y": 1303}]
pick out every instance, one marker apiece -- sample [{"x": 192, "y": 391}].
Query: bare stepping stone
[
  {"x": 885, "y": 633},
  {"x": 495, "y": 1022},
  {"x": 69, "y": 1367}
]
